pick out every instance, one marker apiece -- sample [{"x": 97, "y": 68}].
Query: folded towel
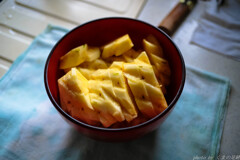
[
  {"x": 219, "y": 29},
  {"x": 31, "y": 128}
]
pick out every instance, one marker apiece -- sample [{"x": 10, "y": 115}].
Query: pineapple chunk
[
  {"x": 74, "y": 97},
  {"x": 114, "y": 59},
  {"x": 130, "y": 55},
  {"x": 86, "y": 72},
  {"x": 92, "y": 54},
  {"x": 147, "y": 74},
  {"x": 141, "y": 96},
  {"x": 162, "y": 69},
  {"x": 117, "y": 47},
  {"x": 114, "y": 84},
  {"x": 74, "y": 57},
  {"x": 141, "y": 73},
  {"x": 132, "y": 73},
  {"x": 157, "y": 98},
  {"x": 152, "y": 85},
  {"x": 161, "y": 64},
  {"x": 122, "y": 94},
  {"x": 96, "y": 64},
  {"x": 100, "y": 74},
  {"x": 117, "y": 65},
  {"x": 131, "y": 69},
  {"x": 109, "y": 110},
  {"x": 151, "y": 46},
  {"x": 98, "y": 102},
  {"x": 152, "y": 39},
  {"x": 142, "y": 58}
]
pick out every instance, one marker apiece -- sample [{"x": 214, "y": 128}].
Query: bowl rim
[{"x": 85, "y": 125}]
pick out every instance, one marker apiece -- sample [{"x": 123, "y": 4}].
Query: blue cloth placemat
[{"x": 31, "y": 128}]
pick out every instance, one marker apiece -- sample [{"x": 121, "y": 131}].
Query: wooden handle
[{"x": 171, "y": 22}]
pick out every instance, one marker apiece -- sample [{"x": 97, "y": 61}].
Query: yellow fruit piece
[
  {"x": 96, "y": 64},
  {"x": 122, "y": 94},
  {"x": 74, "y": 57},
  {"x": 98, "y": 102},
  {"x": 141, "y": 96},
  {"x": 86, "y": 72},
  {"x": 152, "y": 46},
  {"x": 73, "y": 79},
  {"x": 92, "y": 54},
  {"x": 114, "y": 85},
  {"x": 114, "y": 59},
  {"x": 74, "y": 97},
  {"x": 159, "y": 77},
  {"x": 117, "y": 65},
  {"x": 101, "y": 100},
  {"x": 117, "y": 47},
  {"x": 153, "y": 88},
  {"x": 157, "y": 98},
  {"x": 130, "y": 55},
  {"x": 100, "y": 74},
  {"x": 152, "y": 39},
  {"x": 140, "y": 75},
  {"x": 162, "y": 71},
  {"x": 161, "y": 64},
  {"x": 131, "y": 69},
  {"x": 142, "y": 58},
  {"x": 147, "y": 74}
]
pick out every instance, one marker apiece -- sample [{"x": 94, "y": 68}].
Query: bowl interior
[{"x": 100, "y": 32}]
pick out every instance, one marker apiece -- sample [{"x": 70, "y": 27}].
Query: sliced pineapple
[
  {"x": 152, "y": 85},
  {"x": 162, "y": 69},
  {"x": 78, "y": 55},
  {"x": 117, "y": 47},
  {"x": 96, "y": 64},
  {"x": 161, "y": 64},
  {"x": 152, "y": 46},
  {"x": 92, "y": 54},
  {"x": 109, "y": 111},
  {"x": 152, "y": 39},
  {"x": 114, "y": 59},
  {"x": 74, "y": 97},
  {"x": 141, "y": 73},
  {"x": 130, "y": 55},
  {"x": 117, "y": 65},
  {"x": 74, "y": 57},
  {"x": 123, "y": 94},
  {"x": 98, "y": 102},
  {"x": 100, "y": 74},
  {"x": 114, "y": 84},
  {"x": 157, "y": 98},
  {"x": 141, "y": 96},
  {"x": 142, "y": 58},
  {"x": 86, "y": 72}
]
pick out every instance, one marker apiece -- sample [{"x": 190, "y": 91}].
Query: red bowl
[{"x": 97, "y": 33}]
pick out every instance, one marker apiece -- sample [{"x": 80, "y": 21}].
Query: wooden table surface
[{"x": 22, "y": 20}]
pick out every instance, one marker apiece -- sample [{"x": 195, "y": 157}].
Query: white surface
[{"x": 78, "y": 11}]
